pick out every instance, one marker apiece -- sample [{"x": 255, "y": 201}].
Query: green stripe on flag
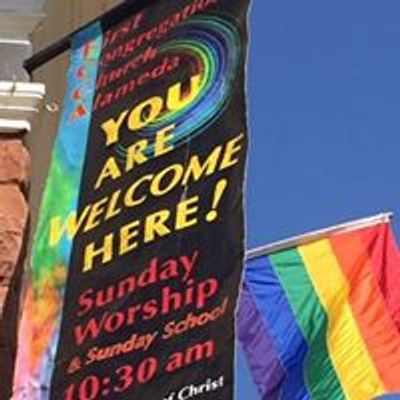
[{"x": 320, "y": 374}]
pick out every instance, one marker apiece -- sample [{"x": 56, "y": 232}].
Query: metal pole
[
  {"x": 107, "y": 20},
  {"x": 319, "y": 234}
]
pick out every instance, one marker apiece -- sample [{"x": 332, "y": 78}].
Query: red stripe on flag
[
  {"x": 368, "y": 304},
  {"x": 385, "y": 255}
]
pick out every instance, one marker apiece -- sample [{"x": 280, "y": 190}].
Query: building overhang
[
  {"x": 16, "y": 26},
  {"x": 20, "y": 102}
]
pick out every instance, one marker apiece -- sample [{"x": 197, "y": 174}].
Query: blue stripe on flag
[
  {"x": 267, "y": 369},
  {"x": 274, "y": 307}
]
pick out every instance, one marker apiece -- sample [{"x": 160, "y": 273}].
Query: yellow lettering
[
  {"x": 163, "y": 136},
  {"x": 135, "y": 154},
  {"x": 129, "y": 200},
  {"x": 232, "y": 148},
  {"x": 127, "y": 233},
  {"x": 112, "y": 210},
  {"x": 111, "y": 128},
  {"x": 155, "y": 226},
  {"x": 195, "y": 170},
  {"x": 175, "y": 100},
  {"x": 110, "y": 170},
  {"x": 70, "y": 227},
  {"x": 145, "y": 113},
  {"x": 176, "y": 170},
  {"x": 96, "y": 211},
  {"x": 105, "y": 252},
  {"x": 184, "y": 213},
  {"x": 149, "y": 110}
]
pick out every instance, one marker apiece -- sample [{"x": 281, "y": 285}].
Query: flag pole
[
  {"x": 319, "y": 234},
  {"x": 107, "y": 20}
]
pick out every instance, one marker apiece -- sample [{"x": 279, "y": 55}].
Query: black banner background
[{"x": 198, "y": 362}]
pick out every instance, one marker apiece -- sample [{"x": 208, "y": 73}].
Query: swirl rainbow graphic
[{"x": 214, "y": 45}]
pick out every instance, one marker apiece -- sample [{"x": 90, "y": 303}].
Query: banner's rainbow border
[{"x": 40, "y": 325}]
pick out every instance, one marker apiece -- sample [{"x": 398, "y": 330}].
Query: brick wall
[{"x": 14, "y": 172}]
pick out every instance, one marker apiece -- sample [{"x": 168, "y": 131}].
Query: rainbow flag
[{"x": 319, "y": 317}]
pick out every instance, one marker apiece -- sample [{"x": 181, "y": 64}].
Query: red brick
[
  {"x": 13, "y": 219},
  {"x": 14, "y": 161}
]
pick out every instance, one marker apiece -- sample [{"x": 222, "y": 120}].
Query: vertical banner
[{"x": 138, "y": 253}]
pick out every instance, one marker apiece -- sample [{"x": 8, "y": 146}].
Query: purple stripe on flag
[{"x": 268, "y": 371}]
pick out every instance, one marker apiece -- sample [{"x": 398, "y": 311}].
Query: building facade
[
  {"x": 28, "y": 124},
  {"x": 20, "y": 103}
]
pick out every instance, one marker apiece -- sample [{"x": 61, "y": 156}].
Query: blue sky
[{"x": 324, "y": 113}]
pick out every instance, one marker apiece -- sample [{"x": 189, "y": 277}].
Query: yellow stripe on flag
[{"x": 349, "y": 354}]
